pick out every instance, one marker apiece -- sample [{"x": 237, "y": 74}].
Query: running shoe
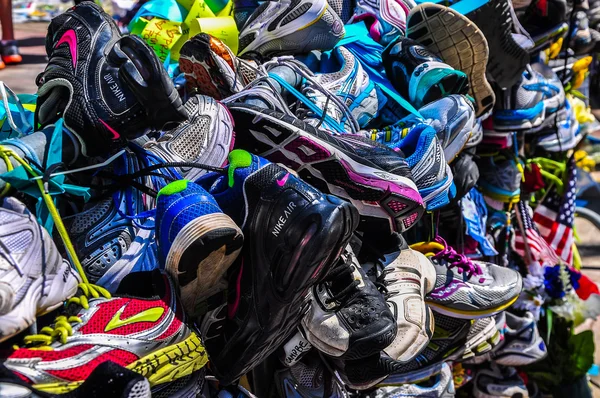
[
  {"x": 9, "y": 52},
  {"x": 405, "y": 282},
  {"x": 501, "y": 178},
  {"x": 293, "y": 234},
  {"x": 348, "y": 317},
  {"x": 453, "y": 118},
  {"x": 497, "y": 22},
  {"x": 465, "y": 172},
  {"x": 206, "y": 138},
  {"x": 468, "y": 289},
  {"x": 372, "y": 177},
  {"x": 141, "y": 328},
  {"x": 35, "y": 279},
  {"x": 290, "y": 27},
  {"x": 446, "y": 344},
  {"x": 419, "y": 75},
  {"x": 133, "y": 95},
  {"x": 497, "y": 381},
  {"x": 211, "y": 68},
  {"x": 425, "y": 157},
  {"x": 483, "y": 337},
  {"x": 559, "y": 132},
  {"x": 350, "y": 83},
  {"x": 527, "y": 104},
  {"x": 476, "y": 134},
  {"x": 106, "y": 380},
  {"x": 390, "y": 15},
  {"x": 343, "y": 8},
  {"x": 522, "y": 343},
  {"x": 440, "y": 385},
  {"x": 308, "y": 378},
  {"x": 197, "y": 242},
  {"x": 242, "y": 9},
  {"x": 459, "y": 42}
]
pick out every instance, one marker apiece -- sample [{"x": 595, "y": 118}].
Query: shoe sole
[
  {"x": 459, "y": 43},
  {"x": 162, "y": 366},
  {"x": 507, "y": 59},
  {"x": 202, "y": 71},
  {"x": 470, "y": 314},
  {"x": 201, "y": 254},
  {"x": 375, "y": 193}
]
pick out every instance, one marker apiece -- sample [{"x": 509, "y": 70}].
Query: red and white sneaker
[{"x": 142, "y": 329}]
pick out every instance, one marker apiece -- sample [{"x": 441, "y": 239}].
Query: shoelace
[
  {"x": 337, "y": 275},
  {"x": 401, "y": 128},
  {"x": 455, "y": 259},
  {"x": 62, "y": 326}
]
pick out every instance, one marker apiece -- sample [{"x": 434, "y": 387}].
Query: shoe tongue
[
  {"x": 15, "y": 205},
  {"x": 238, "y": 158}
]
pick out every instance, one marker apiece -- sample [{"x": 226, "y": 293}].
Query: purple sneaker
[
  {"x": 376, "y": 179},
  {"x": 465, "y": 288}
]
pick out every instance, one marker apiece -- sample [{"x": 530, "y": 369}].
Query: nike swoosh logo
[
  {"x": 116, "y": 135},
  {"x": 149, "y": 315},
  {"x": 281, "y": 181},
  {"x": 70, "y": 38}
]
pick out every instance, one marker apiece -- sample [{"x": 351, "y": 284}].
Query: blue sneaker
[
  {"x": 527, "y": 104},
  {"x": 426, "y": 160},
  {"x": 294, "y": 235},
  {"x": 500, "y": 178},
  {"x": 197, "y": 242}
]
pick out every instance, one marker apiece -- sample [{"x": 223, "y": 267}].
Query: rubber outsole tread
[{"x": 459, "y": 43}]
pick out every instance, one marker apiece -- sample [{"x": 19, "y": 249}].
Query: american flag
[
  {"x": 555, "y": 215},
  {"x": 528, "y": 242}
]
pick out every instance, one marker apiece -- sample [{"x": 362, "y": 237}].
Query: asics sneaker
[
  {"x": 132, "y": 92},
  {"x": 419, "y": 75},
  {"x": 350, "y": 83},
  {"x": 468, "y": 289},
  {"x": 142, "y": 329},
  {"x": 197, "y": 242},
  {"x": 497, "y": 381},
  {"x": 206, "y": 138},
  {"x": 500, "y": 178},
  {"x": 453, "y": 118},
  {"x": 211, "y": 68},
  {"x": 460, "y": 44},
  {"x": 440, "y": 385},
  {"x": 446, "y": 344},
  {"x": 348, "y": 317},
  {"x": 34, "y": 278},
  {"x": 371, "y": 176},
  {"x": 522, "y": 343},
  {"x": 527, "y": 104},
  {"x": 108, "y": 379},
  {"x": 428, "y": 165},
  {"x": 293, "y": 234},
  {"x": 290, "y": 27},
  {"x": 405, "y": 282}
]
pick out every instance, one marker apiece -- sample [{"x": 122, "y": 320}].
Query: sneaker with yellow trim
[
  {"x": 465, "y": 288},
  {"x": 141, "y": 328}
]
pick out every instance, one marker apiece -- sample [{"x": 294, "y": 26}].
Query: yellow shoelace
[{"x": 62, "y": 325}]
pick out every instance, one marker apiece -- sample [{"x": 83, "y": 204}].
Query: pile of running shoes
[{"x": 339, "y": 207}]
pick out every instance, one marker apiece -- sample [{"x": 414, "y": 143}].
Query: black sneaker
[
  {"x": 348, "y": 317},
  {"x": 294, "y": 234},
  {"x": 374, "y": 178},
  {"x": 107, "y": 380},
  {"x": 419, "y": 75},
  {"x": 107, "y": 88},
  {"x": 448, "y": 343}
]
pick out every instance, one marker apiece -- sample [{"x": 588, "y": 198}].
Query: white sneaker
[
  {"x": 407, "y": 280},
  {"x": 498, "y": 382},
  {"x": 34, "y": 278}
]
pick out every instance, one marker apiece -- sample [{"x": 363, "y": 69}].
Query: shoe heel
[
  {"x": 437, "y": 82},
  {"x": 201, "y": 254},
  {"x": 145, "y": 76}
]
